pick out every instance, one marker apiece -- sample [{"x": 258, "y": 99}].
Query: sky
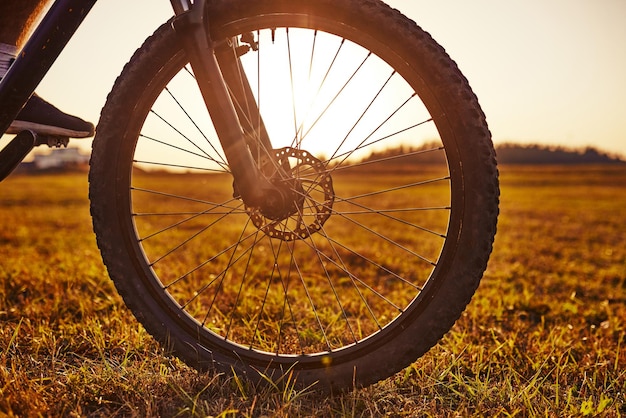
[
  {"x": 549, "y": 72},
  {"x": 544, "y": 71}
]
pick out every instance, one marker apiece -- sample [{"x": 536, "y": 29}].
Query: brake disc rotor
[{"x": 309, "y": 189}]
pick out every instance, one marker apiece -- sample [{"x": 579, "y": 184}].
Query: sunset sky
[
  {"x": 544, "y": 71},
  {"x": 549, "y": 72}
]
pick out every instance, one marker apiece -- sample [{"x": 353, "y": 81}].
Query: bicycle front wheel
[{"x": 384, "y": 151}]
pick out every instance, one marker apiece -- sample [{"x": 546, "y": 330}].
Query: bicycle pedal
[{"x": 52, "y": 141}]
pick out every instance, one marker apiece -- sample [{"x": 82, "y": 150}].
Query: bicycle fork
[{"x": 192, "y": 27}]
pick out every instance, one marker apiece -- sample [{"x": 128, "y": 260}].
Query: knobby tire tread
[{"x": 476, "y": 153}]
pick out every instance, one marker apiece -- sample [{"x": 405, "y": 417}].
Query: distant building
[
  {"x": 56, "y": 160},
  {"x": 59, "y": 159}
]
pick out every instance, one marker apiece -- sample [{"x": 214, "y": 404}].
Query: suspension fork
[
  {"x": 245, "y": 103},
  {"x": 192, "y": 27}
]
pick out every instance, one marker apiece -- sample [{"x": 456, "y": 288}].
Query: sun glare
[
  {"x": 315, "y": 91},
  {"x": 328, "y": 95}
]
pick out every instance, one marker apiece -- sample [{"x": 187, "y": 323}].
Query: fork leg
[
  {"x": 193, "y": 31},
  {"x": 246, "y": 105}
]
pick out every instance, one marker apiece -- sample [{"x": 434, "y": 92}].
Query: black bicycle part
[
  {"x": 193, "y": 30},
  {"x": 15, "y": 151},
  {"x": 38, "y": 55}
]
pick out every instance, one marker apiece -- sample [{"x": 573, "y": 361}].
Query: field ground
[{"x": 544, "y": 335}]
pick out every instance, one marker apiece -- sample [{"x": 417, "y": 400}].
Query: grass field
[{"x": 545, "y": 334}]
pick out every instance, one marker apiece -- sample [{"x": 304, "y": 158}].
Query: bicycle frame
[
  {"x": 191, "y": 23},
  {"x": 38, "y": 55},
  {"x": 29, "y": 68}
]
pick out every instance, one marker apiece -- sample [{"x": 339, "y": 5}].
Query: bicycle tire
[{"x": 410, "y": 283}]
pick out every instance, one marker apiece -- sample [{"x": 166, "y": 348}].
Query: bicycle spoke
[
  {"x": 208, "y": 261},
  {"x": 310, "y": 300},
  {"x": 393, "y": 189},
  {"x": 232, "y": 260},
  {"x": 181, "y": 244},
  {"x": 202, "y": 151},
  {"x": 364, "y": 142},
  {"x": 400, "y": 221},
  {"x": 386, "y": 212},
  {"x": 336, "y": 96},
  {"x": 389, "y": 240},
  {"x": 342, "y": 266},
  {"x": 238, "y": 297},
  {"x": 323, "y": 258},
  {"x": 344, "y": 315},
  {"x": 386, "y": 159},
  {"x": 223, "y": 161},
  {"x": 293, "y": 89},
  {"x": 170, "y": 165},
  {"x": 354, "y": 279},
  {"x": 286, "y": 303},
  {"x": 263, "y": 304},
  {"x": 204, "y": 155},
  {"x": 186, "y": 198},
  {"x": 360, "y": 118}
]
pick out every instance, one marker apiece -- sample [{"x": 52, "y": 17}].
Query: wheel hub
[{"x": 303, "y": 197}]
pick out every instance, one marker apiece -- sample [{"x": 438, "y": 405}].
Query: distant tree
[
  {"x": 507, "y": 153},
  {"x": 539, "y": 154}
]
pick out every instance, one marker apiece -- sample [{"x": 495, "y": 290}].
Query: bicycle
[{"x": 284, "y": 188}]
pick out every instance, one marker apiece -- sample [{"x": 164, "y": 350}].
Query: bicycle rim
[{"x": 373, "y": 217}]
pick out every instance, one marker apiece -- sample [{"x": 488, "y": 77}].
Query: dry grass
[{"x": 545, "y": 334}]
